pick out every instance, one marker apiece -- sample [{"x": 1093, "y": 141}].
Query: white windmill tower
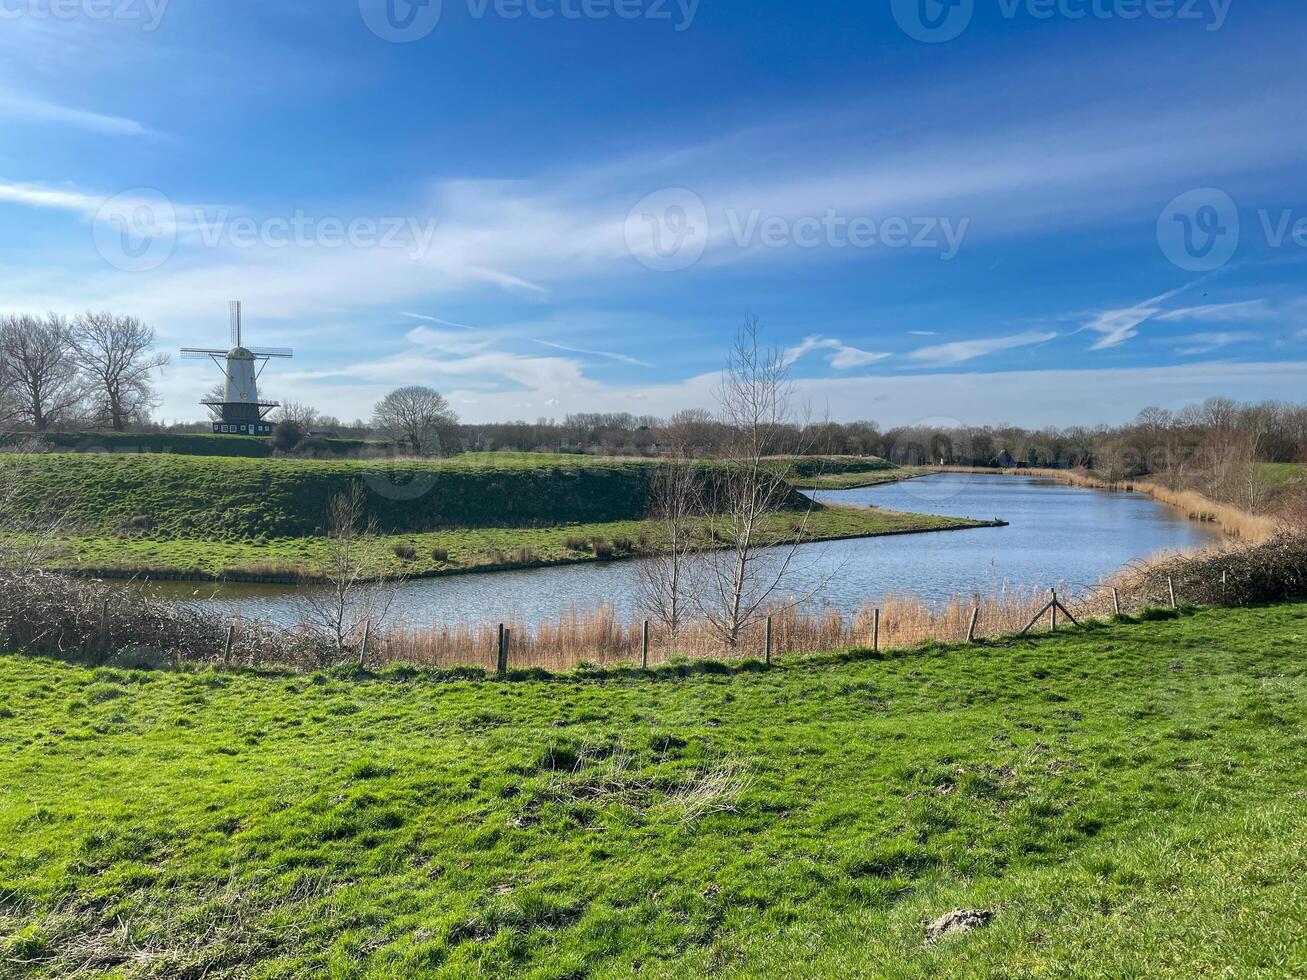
[{"x": 239, "y": 412}]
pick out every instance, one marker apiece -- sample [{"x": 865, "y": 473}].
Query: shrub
[
  {"x": 575, "y": 542},
  {"x": 440, "y": 554},
  {"x": 601, "y": 548},
  {"x": 405, "y": 551}
]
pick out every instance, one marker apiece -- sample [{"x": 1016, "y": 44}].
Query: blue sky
[{"x": 1050, "y": 211}]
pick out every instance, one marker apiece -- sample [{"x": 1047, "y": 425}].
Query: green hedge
[{"x": 163, "y": 495}]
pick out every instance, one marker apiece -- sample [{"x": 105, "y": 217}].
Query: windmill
[{"x": 239, "y": 411}]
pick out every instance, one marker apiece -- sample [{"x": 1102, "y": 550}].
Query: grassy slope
[
  {"x": 443, "y": 552},
  {"x": 231, "y": 499},
  {"x": 182, "y": 443},
  {"x": 1128, "y": 800},
  {"x": 856, "y": 480}
]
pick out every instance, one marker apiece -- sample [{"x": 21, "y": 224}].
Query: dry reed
[{"x": 1235, "y": 522}]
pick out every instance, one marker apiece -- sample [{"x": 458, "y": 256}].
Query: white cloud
[
  {"x": 923, "y": 333},
  {"x": 25, "y": 108},
  {"x": 844, "y": 358},
  {"x": 967, "y": 350},
  {"x": 1203, "y": 343},
  {"x": 44, "y": 196},
  {"x": 624, "y": 358},
  {"x": 1256, "y": 309}
]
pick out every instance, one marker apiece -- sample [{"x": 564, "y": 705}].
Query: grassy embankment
[
  {"x": 211, "y": 516},
  {"x": 1127, "y": 800},
  {"x": 179, "y": 443}
]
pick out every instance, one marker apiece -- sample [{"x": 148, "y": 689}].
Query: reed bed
[{"x": 600, "y": 638}]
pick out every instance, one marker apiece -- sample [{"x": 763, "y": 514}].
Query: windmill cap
[{"x": 239, "y": 354}]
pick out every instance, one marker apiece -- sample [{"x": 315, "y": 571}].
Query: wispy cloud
[
  {"x": 923, "y": 333},
  {"x": 44, "y": 196},
  {"x": 1203, "y": 343},
  {"x": 436, "y": 319},
  {"x": 25, "y": 108},
  {"x": 843, "y": 358},
  {"x": 624, "y": 358},
  {"x": 1255, "y": 309},
  {"x": 1118, "y": 326},
  {"x": 967, "y": 350}
]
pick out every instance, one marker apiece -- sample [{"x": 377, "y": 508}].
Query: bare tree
[
  {"x": 305, "y": 416},
  {"x": 417, "y": 418},
  {"x": 40, "y": 369},
  {"x": 741, "y": 579},
  {"x": 663, "y": 578},
  {"x": 356, "y": 590},
  {"x": 116, "y": 356}
]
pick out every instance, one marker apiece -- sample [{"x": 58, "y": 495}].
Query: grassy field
[
  {"x": 233, "y": 499},
  {"x": 180, "y": 443},
  {"x": 450, "y": 552},
  {"x": 856, "y": 480},
  {"x": 1126, "y": 800}
]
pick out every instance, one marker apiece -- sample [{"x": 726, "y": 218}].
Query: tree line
[{"x": 96, "y": 369}]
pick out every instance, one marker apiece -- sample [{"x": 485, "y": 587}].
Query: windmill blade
[
  {"x": 235, "y": 323},
  {"x": 193, "y": 353},
  {"x": 271, "y": 351}
]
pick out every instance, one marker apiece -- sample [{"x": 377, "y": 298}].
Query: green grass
[
  {"x": 441, "y": 552},
  {"x": 180, "y": 443},
  {"x": 1128, "y": 800},
  {"x": 1282, "y": 475},
  {"x": 857, "y": 480},
  {"x": 231, "y": 499}
]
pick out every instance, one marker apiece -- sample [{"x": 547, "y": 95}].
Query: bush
[
  {"x": 440, "y": 554},
  {"x": 405, "y": 551},
  {"x": 602, "y": 549}
]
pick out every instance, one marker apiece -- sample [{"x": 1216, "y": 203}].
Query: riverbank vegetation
[{"x": 1121, "y": 800}]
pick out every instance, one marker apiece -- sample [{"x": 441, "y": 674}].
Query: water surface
[{"x": 1056, "y": 534}]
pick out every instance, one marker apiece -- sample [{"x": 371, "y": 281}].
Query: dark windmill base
[
  {"x": 241, "y": 419},
  {"x": 242, "y": 428}
]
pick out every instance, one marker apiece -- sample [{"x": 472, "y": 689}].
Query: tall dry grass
[
  {"x": 1235, "y": 522},
  {"x": 602, "y": 639}
]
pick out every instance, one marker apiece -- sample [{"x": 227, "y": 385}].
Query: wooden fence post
[
  {"x": 644, "y": 649},
  {"x": 226, "y": 647},
  {"x": 971, "y": 630},
  {"x": 500, "y": 665},
  {"x": 1052, "y": 606},
  {"x": 1170, "y": 585},
  {"x": 768, "y": 654},
  {"x": 505, "y": 636},
  {"x": 875, "y": 632},
  {"x": 1116, "y": 600},
  {"x": 363, "y": 648}
]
